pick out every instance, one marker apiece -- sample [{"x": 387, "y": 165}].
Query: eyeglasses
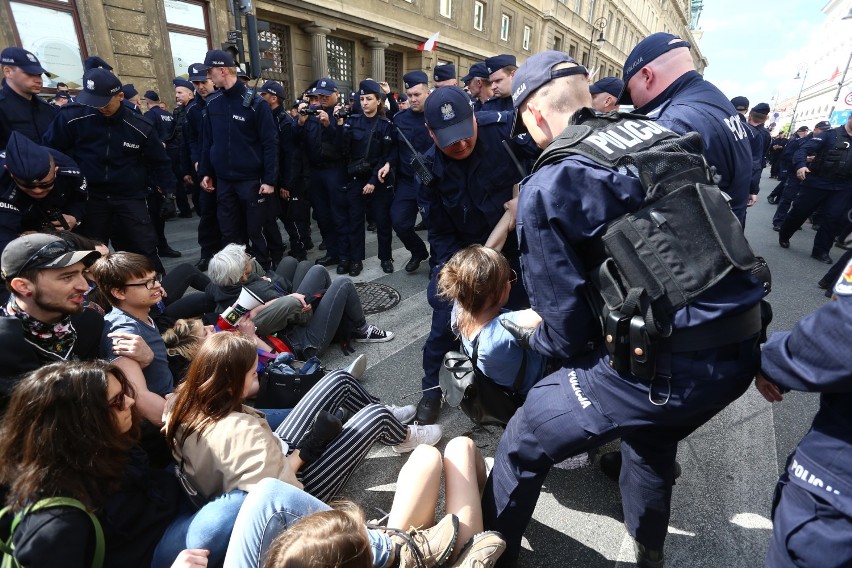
[
  {"x": 45, "y": 255},
  {"x": 35, "y": 185},
  {"x": 151, "y": 283},
  {"x": 117, "y": 402}
]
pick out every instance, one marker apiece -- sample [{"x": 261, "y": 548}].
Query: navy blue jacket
[
  {"x": 466, "y": 200},
  {"x": 813, "y": 146},
  {"x": 561, "y": 207},
  {"x": 413, "y": 126},
  {"x": 19, "y": 212},
  {"x": 163, "y": 122},
  {"x": 287, "y": 149},
  {"x": 29, "y": 117},
  {"x": 354, "y": 137},
  {"x": 693, "y": 104},
  {"x": 318, "y": 142},
  {"x": 498, "y": 104},
  {"x": 813, "y": 357},
  {"x": 194, "y": 129},
  {"x": 759, "y": 139},
  {"x": 239, "y": 143},
  {"x": 120, "y": 155}
]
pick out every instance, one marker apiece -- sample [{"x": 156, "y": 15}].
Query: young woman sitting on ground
[
  {"x": 224, "y": 445},
  {"x": 71, "y": 430},
  {"x": 306, "y": 330},
  {"x": 282, "y": 526}
]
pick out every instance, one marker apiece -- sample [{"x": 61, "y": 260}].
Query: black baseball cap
[
  {"x": 476, "y": 70},
  {"x": 23, "y": 59},
  {"x": 823, "y": 124},
  {"x": 611, "y": 85},
  {"x": 99, "y": 87},
  {"x": 152, "y": 96},
  {"x": 217, "y": 58},
  {"x": 761, "y": 108},
  {"x": 740, "y": 103},
  {"x": 274, "y": 88},
  {"x": 449, "y": 114},
  {"x": 40, "y": 250},
  {"x": 645, "y": 52},
  {"x": 444, "y": 72},
  {"x": 197, "y": 72}
]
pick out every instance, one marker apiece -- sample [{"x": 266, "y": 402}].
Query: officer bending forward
[{"x": 586, "y": 403}]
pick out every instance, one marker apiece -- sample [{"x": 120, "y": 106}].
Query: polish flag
[
  {"x": 430, "y": 44},
  {"x": 835, "y": 74}
]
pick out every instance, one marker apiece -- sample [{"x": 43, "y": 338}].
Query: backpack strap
[{"x": 47, "y": 503}]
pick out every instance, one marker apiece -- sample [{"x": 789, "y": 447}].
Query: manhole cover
[{"x": 376, "y": 298}]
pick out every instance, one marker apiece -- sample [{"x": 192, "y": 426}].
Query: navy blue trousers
[
  {"x": 242, "y": 213},
  {"x": 578, "y": 409},
  {"x": 209, "y": 235},
  {"x": 788, "y": 194},
  {"x": 834, "y": 206},
  {"x": 404, "y": 214},
  {"x": 328, "y": 200},
  {"x": 126, "y": 222},
  {"x": 378, "y": 206}
]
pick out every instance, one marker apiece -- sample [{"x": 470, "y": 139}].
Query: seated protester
[
  {"x": 291, "y": 317},
  {"x": 478, "y": 280},
  {"x": 40, "y": 190},
  {"x": 133, "y": 287},
  {"x": 310, "y": 529},
  {"x": 224, "y": 445},
  {"x": 44, "y": 320},
  {"x": 95, "y": 299},
  {"x": 71, "y": 431}
]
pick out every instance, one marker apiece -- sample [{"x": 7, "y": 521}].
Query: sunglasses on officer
[{"x": 23, "y": 184}]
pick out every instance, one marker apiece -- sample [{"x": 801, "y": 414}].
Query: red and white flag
[
  {"x": 836, "y": 74},
  {"x": 430, "y": 44}
]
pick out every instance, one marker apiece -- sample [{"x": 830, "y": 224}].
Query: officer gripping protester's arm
[{"x": 666, "y": 364}]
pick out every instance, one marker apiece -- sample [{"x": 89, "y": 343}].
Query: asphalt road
[{"x": 721, "y": 503}]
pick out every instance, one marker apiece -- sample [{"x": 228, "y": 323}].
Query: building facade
[{"x": 151, "y": 41}]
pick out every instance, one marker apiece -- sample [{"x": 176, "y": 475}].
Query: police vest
[
  {"x": 834, "y": 161},
  {"x": 684, "y": 238}
]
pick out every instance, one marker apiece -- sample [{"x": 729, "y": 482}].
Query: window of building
[
  {"x": 445, "y": 7},
  {"x": 478, "y": 15},
  {"x": 578, "y": 6},
  {"x": 189, "y": 35},
  {"x": 591, "y": 10},
  {"x": 341, "y": 62},
  {"x": 572, "y": 50},
  {"x": 281, "y": 56},
  {"x": 527, "y": 37},
  {"x": 393, "y": 70},
  {"x": 51, "y": 30},
  {"x": 505, "y": 26},
  {"x": 615, "y": 35},
  {"x": 557, "y": 42}
]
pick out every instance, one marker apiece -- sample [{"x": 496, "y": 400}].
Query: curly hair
[
  {"x": 213, "y": 387},
  {"x": 60, "y": 437}
]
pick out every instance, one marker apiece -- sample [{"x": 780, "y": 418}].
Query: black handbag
[
  {"x": 480, "y": 398},
  {"x": 284, "y": 388}
]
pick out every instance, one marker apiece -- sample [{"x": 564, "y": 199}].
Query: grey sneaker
[
  {"x": 417, "y": 434},
  {"x": 427, "y": 548},
  {"x": 404, "y": 414},
  {"x": 482, "y": 551}
]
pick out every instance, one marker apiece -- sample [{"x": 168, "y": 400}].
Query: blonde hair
[
  {"x": 328, "y": 539},
  {"x": 475, "y": 277},
  {"x": 182, "y": 339}
]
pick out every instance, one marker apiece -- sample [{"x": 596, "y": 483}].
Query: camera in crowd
[
  {"x": 342, "y": 112},
  {"x": 309, "y": 111}
]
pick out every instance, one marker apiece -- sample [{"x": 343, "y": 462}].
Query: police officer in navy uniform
[
  {"x": 445, "y": 75},
  {"x": 478, "y": 84},
  {"x": 316, "y": 134},
  {"x": 162, "y": 119},
  {"x": 239, "y": 149},
  {"x": 367, "y": 141},
  {"x": 412, "y": 126},
  {"x": 176, "y": 146},
  {"x": 740, "y": 105},
  {"x": 131, "y": 98},
  {"x": 826, "y": 183},
  {"x": 605, "y": 93},
  {"x": 40, "y": 190},
  {"x": 473, "y": 182},
  {"x": 291, "y": 185},
  {"x": 812, "y": 507},
  {"x": 585, "y": 403},
  {"x": 788, "y": 187},
  {"x": 118, "y": 151},
  {"x": 21, "y": 109},
  {"x": 501, "y": 69},
  {"x": 209, "y": 235},
  {"x": 660, "y": 80},
  {"x": 759, "y": 138}
]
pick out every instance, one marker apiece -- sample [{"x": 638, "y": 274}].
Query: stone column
[
  {"x": 377, "y": 49},
  {"x": 319, "y": 50}
]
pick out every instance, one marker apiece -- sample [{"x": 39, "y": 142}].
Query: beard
[{"x": 47, "y": 304}]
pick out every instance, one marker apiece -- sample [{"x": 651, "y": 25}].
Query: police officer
[
  {"x": 826, "y": 184},
  {"x": 501, "y": 69},
  {"x": 316, "y": 136},
  {"x": 412, "y": 127},
  {"x": 605, "y": 94},
  {"x": 586, "y": 403},
  {"x": 162, "y": 119},
  {"x": 176, "y": 146},
  {"x": 40, "y": 190},
  {"x": 445, "y": 75},
  {"x": 787, "y": 176},
  {"x": 292, "y": 185},
  {"x": 20, "y": 107},
  {"x": 741, "y": 105},
  {"x": 239, "y": 149},
  {"x": 367, "y": 141},
  {"x": 118, "y": 150},
  {"x": 778, "y": 144},
  {"x": 759, "y": 138},
  {"x": 478, "y": 84},
  {"x": 209, "y": 235},
  {"x": 131, "y": 98},
  {"x": 812, "y": 507},
  {"x": 660, "y": 80},
  {"x": 473, "y": 179}
]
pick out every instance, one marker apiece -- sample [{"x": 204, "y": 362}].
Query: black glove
[
  {"x": 168, "y": 209},
  {"x": 522, "y": 334}
]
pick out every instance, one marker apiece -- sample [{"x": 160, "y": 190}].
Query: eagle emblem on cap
[
  {"x": 192, "y": 69},
  {"x": 447, "y": 111},
  {"x": 90, "y": 84},
  {"x": 322, "y": 84},
  {"x": 32, "y": 57}
]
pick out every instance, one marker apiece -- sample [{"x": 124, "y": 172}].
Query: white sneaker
[
  {"x": 404, "y": 414},
  {"x": 429, "y": 434},
  {"x": 358, "y": 367}
]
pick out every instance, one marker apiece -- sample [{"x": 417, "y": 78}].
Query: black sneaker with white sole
[{"x": 372, "y": 335}]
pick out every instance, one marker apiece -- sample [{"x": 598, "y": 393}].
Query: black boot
[{"x": 326, "y": 428}]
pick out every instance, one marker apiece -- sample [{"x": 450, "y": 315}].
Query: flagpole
[{"x": 840, "y": 87}]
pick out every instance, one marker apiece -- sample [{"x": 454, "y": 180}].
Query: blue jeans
[{"x": 269, "y": 509}]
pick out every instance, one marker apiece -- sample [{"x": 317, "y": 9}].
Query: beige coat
[{"x": 235, "y": 452}]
